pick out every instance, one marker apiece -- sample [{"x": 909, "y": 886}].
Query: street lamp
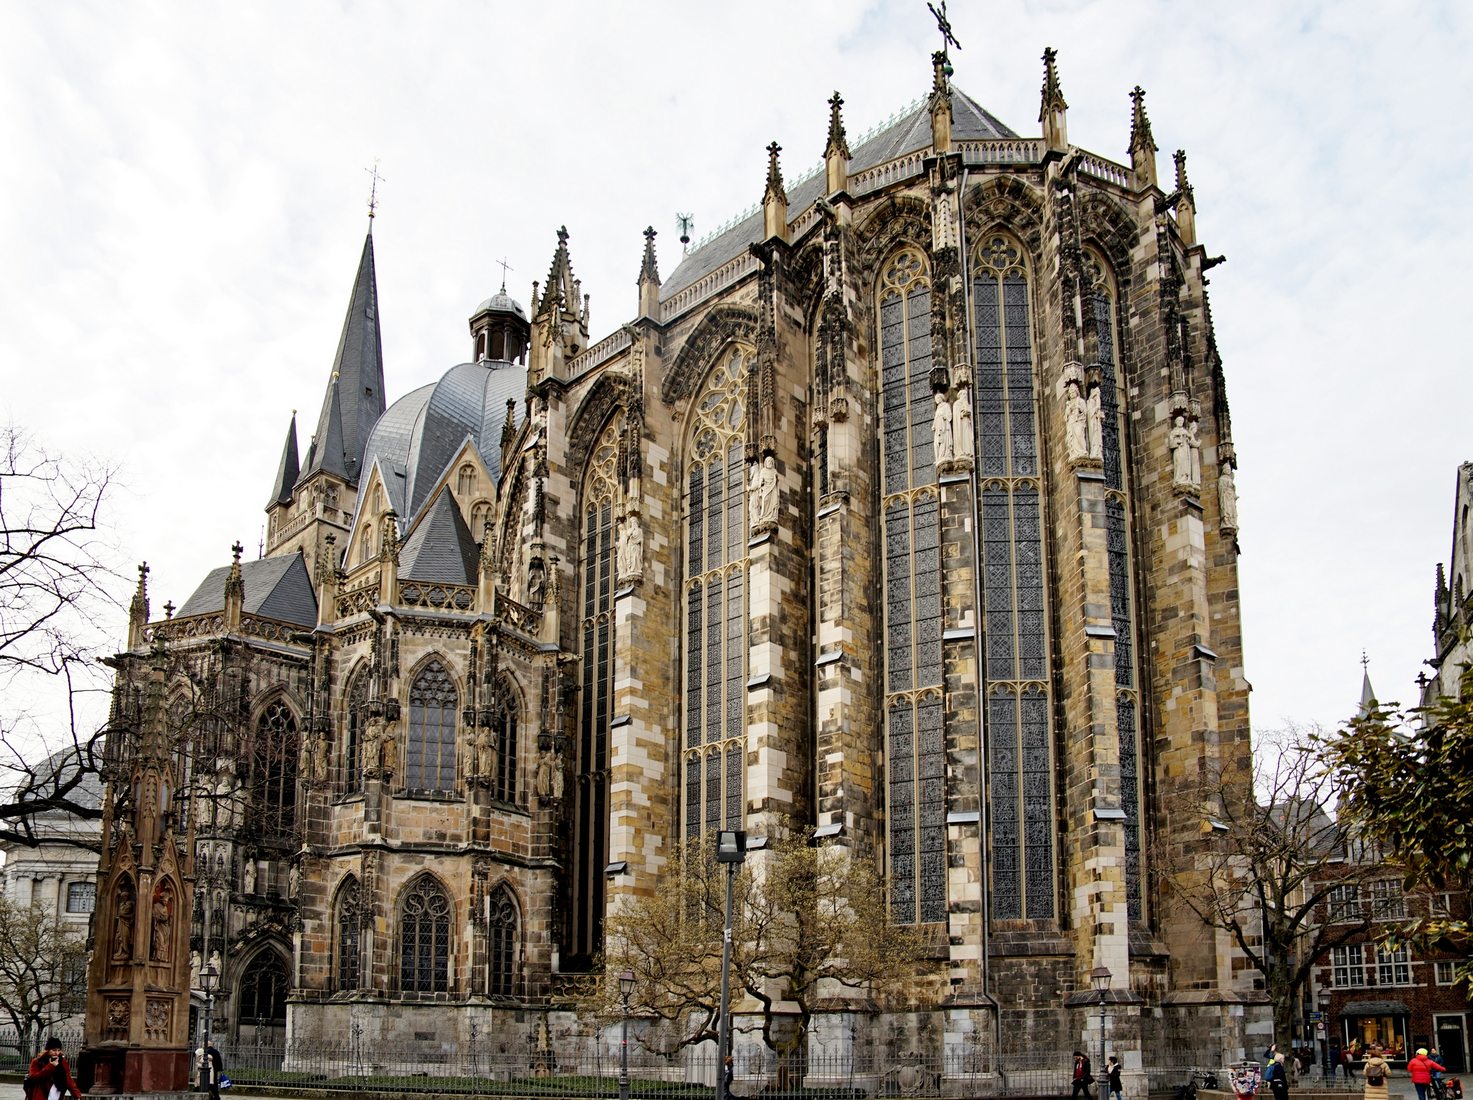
[
  {"x": 1100, "y": 978},
  {"x": 731, "y": 849},
  {"x": 207, "y": 976},
  {"x": 626, "y": 987}
]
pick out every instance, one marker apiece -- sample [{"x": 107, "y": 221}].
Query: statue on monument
[
  {"x": 762, "y": 491},
  {"x": 1076, "y": 422},
  {"x": 1180, "y": 442},
  {"x": 1227, "y": 497},
  {"x": 962, "y": 434},
  {"x": 941, "y": 441}
]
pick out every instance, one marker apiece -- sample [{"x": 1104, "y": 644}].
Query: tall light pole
[
  {"x": 626, "y": 987},
  {"x": 731, "y": 849},
  {"x": 207, "y": 976},
  {"x": 1100, "y": 978}
]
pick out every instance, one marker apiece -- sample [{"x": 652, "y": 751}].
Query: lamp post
[
  {"x": 731, "y": 849},
  {"x": 207, "y": 976},
  {"x": 1100, "y": 978},
  {"x": 626, "y": 987}
]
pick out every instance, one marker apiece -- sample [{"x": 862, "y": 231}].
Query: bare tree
[
  {"x": 42, "y": 971},
  {"x": 1271, "y": 870},
  {"x": 56, "y": 580},
  {"x": 809, "y": 921}
]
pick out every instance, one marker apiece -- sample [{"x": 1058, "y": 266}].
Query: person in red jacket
[
  {"x": 1420, "y": 1069},
  {"x": 49, "y": 1077}
]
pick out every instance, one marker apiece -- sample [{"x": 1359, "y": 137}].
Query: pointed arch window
[
  {"x": 503, "y": 928},
  {"x": 263, "y": 990},
  {"x": 357, "y": 717},
  {"x": 1014, "y": 621},
  {"x": 1102, "y": 300},
  {"x": 590, "y": 840},
  {"x": 424, "y": 938},
  {"x": 274, "y": 771},
  {"x": 350, "y": 923},
  {"x": 465, "y": 482},
  {"x": 504, "y": 730},
  {"x": 429, "y": 759},
  {"x": 716, "y": 536},
  {"x": 915, "y": 744}
]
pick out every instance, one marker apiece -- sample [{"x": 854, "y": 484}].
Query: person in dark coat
[
  {"x": 1083, "y": 1075},
  {"x": 1277, "y": 1077},
  {"x": 50, "y": 1077},
  {"x": 211, "y": 1068}
]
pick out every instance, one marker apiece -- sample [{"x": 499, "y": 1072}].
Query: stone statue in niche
[
  {"x": 942, "y": 448},
  {"x": 1076, "y": 422},
  {"x": 123, "y": 918},
  {"x": 536, "y": 585},
  {"x": 161, "y": 948},
  {"x": 248, "y": 877},
  {"x": 549, "y": 776},
  {"x": 962, "y": 435},
  {"x": 1095, "y": 422},
  {"x": 1180, "y": 442},
  {"x": 372, "y": 741},
  {"x": 1227, "y": 497},
  {"x": 485, "y": 753},
  {"x": 1194, "y": 452},
  {"x": 631, "y": 548},
  {"x": 389, "y": 754},
  {"x": 762, "y": 495}
]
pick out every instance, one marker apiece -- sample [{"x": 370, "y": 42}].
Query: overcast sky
[{"x": 184, "y": 197}]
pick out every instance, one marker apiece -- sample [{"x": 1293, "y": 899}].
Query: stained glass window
[
  {"x": 504, "y": 730},
  {"x": 716, "y": 533},
  {"x": 1118, "y": 557},
  {"x": 590, "y": 842},
  {"x": 503, "y": 940},
  {"x": 352, "y": 762},
  {"x": 274, "y": 771},
  {"x": 349, "y": 924},
  {"x": 429, "y": 756},
  {"x": 424, "y": 938},
  {"x": 263, "y": 989},
  {"x": 914, "y": 712},
  {"x": 1014, "y": 637}
]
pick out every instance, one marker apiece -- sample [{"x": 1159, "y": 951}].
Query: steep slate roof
[
  {"x": 440, "y": 549},
  {"x": 912, "y": 131},
  {"x": 287, "y": 471},
  {"x": 276, "y": 588},
  {"x": 355, "y": 390}
]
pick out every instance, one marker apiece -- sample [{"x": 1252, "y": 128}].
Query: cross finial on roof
[
  {"x": 1365, "y": 662},
  {"x": 686, "y": 222},
  {"x": 505, "y": 267},
  {"x": 944, "y": 26},
  {"x": 236, "y": 550},
  {"x": 373, "y": 190}
]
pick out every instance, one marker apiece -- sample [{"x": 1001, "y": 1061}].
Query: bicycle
[{"x": 1200, "y": 1078}]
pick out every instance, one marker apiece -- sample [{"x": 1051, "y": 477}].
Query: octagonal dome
[{"x": 419, "y": 434}]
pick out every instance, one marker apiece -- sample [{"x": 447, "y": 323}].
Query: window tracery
[
  {"x": 1118, "y": 552},
  {"x": 1014, "y": 612},
  {"x": 274, "y": 771},
  {"x": 424, "y": 938},
  {"x": 716, "y": 535},
  {"x": 914, "y": 709},
  {"x": 357, "y": 716},
  {"x": 349, "y": 922},
  {"x": 429, "y": 756},
  {"x": 263, "y": 989},
  {"x": 503, "y": 947}
]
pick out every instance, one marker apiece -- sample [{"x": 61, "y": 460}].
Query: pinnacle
[{"x": 838, "y": 141}]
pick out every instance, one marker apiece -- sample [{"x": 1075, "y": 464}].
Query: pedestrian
[
  {"x": 211, "y": 1069},
  {"x": 1347, "y": 1061},
  {"x": 50, "y": 1077},
  {"x": 1333, "y": 1066},
  {"x": 1112, "y": 1079},
  {"x": 728, "y": 1071},
  {"x": 1420, "y": 1069},
  {"x": 1378, "y": 1073},
  {"x": 1083, "y": 1074},
  {"x": 1277, "y": 1076}
]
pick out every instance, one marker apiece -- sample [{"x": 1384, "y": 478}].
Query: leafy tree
[
  {"x": 1271, "y": 858},
  {"x": 42, "y": 963},
  {"x": 1405, "y": 778},
  {"x": 55, "y": 578},
  {"x": 808, "y": 922}
]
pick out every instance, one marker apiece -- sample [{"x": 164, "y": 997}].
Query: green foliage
[{"x": 1404, "y": 778}]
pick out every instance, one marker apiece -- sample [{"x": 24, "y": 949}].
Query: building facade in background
[{"x": 902, "y": 510}]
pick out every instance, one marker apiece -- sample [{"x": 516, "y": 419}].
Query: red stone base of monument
[{"x": 106, "y": 1070}]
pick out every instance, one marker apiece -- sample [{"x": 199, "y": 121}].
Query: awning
[{"x": 1376, "y": 1008}]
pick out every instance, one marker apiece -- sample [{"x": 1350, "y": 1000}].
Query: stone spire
[
  {"x": 1142, "y": 144},
  {"x": 234, "y": 592},
  {"x": 940, "y": 102},
  {"x": 288, "y": 469},
  {"x": 1186, "y": 202},
  {"x": 138, "y": 610},
  {"x": 649, "y": 278},
  {"x": 1052, "y": 109},
  {"x": 1368, "y": 701},
  {"x": 836, "y": 153},
  {"x": 358, "y": 402},
  {"x": 559, "y": 319},
  {"x": 774, "y": 199}
]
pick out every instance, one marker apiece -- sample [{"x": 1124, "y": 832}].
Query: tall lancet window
[
  {"x": 274, "y": 771},
  {"x": 716, "y": 535},
  {"x": 350, "y": 922},
  {"x": 429, "y": 750},
  {"x": 1122, "y": 597},
  {"x": 590, "y": 841},
  {"x": 353, "y": 724},
  {"x": 1014, "y": 642},
  {"x": 915, "y": 743}
]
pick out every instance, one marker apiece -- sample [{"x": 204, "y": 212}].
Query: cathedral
[{"x": 901, "y": 511}]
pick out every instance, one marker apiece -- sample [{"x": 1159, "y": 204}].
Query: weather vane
[
  {"x": 944, "y": 26},
  {"x": 687, "y": 223},
  {"x": 505, "y": 267},
  {"x": 373, "y": 190}
]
